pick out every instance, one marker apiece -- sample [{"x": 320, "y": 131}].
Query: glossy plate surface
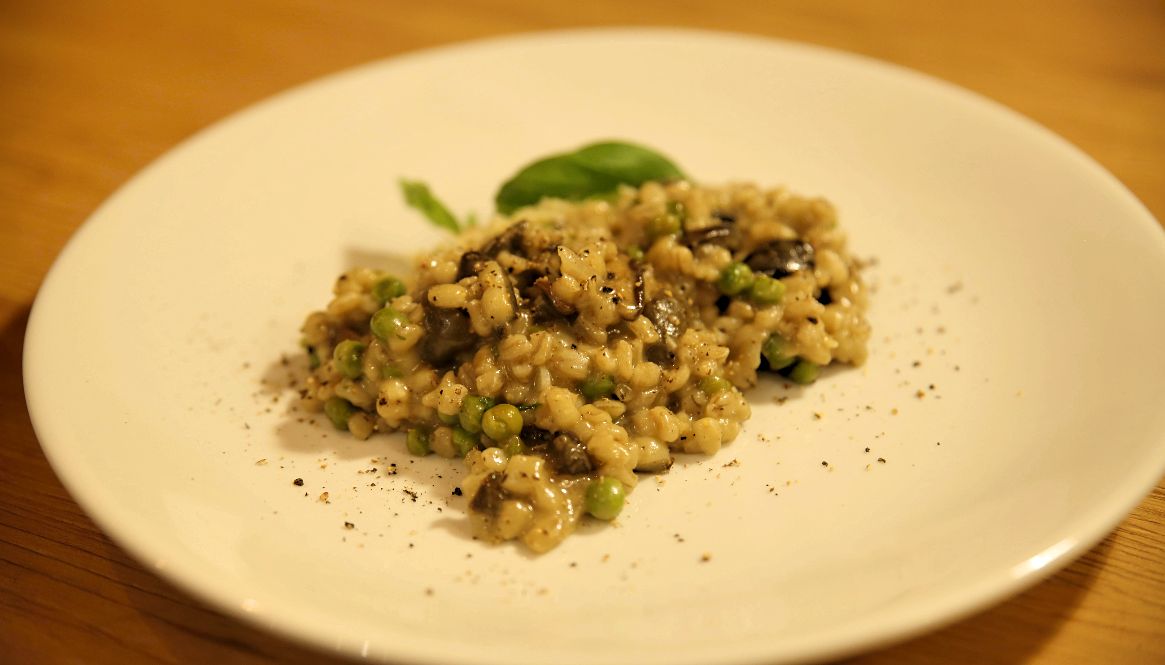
[{"x": 1011, "y": 406}]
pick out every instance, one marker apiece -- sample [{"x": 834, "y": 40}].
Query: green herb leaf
[
  {"x": 627, "y": 163},
  {"x": 558, "y": 177},
  {"x": 417, "y": 195},
  {"x": 593, "y": 170}
]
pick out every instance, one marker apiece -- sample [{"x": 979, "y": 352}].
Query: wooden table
[{"x": 90, "y": 92}]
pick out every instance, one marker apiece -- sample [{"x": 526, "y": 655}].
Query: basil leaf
[
  {"x": 593, "y": 170},
  {"x": 630, "y": 164},
  {"x": 558, "y": 177},
  {"x": 418, "y": 196}
]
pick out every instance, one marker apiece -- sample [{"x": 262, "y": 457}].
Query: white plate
[{"x": 1024, "y": 280}]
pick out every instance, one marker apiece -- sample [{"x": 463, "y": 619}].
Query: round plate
[{"x": 1007, "y": 419}]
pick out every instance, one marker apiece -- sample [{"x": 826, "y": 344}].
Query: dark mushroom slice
[
  {"x": 670, "y": 319},
  {"x": 780, "y": 258},
  {"x": 534, "y": 436},
  {"x": 511, "y": 240},
  {"x": 569, "y": 455},
  {"x": 563, "y": 450},
  {"x": 659, "y": 354},
  {"x": 534, "y": 297},
  {"x": 725, "y": 235},
  {"x": 668, "y": 315},
  {"x": 447, "y": 334},
  {"x": 711, "y": 234},
  {"x": 490, "y": 495},
  {"x": 471, "y": 264},
  {"x": 525, "y": 279}
]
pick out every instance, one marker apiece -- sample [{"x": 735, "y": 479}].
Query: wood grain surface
[{"x": 90, "y": 92}]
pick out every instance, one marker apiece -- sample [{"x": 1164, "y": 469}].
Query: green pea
[
  {"x": 715, "y": 384},
  {"x": 664, "y": 225},
  {"x": 338, "y": 410},
  {"x": 349, "y": 355},
  {"x": 388, "y": 323},
  {"x": 804, "y": 372},
  {"x": 463, "y": 441},
  {"x": 635, "y": 253},
  {"x": 313, "y": 357},
  {"x": 417, "y": 442},
  {"x": 774, "y": 351},
  {"x": 766, "y": 290},
  {"x": 676, "y": 209},
  {"x": 513, "y": 446},
  {"x": 503, "y": 420},
  {"x": 447, "y": 419},
  {"x": 605, "y": 498},
  {"x": 735, "y": 278},
  {"x": 473, "y": 408},
  {"x": 387, "y": 288},
  {"x": 596, "y": 386}
]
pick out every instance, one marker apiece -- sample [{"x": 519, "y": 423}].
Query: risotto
[{"x": 565, "y": 348}]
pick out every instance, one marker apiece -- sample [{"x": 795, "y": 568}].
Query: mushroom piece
[
  {"x": 471, "y": 264},
  {"x": 448, "y": 334},
  {"x": 724, "y": 235},
  {"x": 659, "y": 354},
  {"x": 563, "y": 450},
  {"x": 570, "y": 454},
  {"x": 668, "y": 316},
  {"x": 781, "y": 257},
  {"x": 490, "y": 495},
  {"x": 511, "y": 240}
]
